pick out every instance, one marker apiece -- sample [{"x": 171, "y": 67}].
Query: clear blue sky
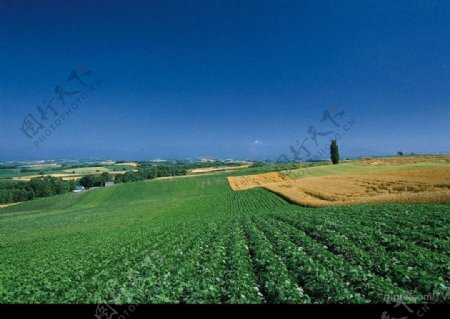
[{"x": 225, "y": 78}]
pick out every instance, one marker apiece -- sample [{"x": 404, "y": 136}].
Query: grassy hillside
[
  {"x": 195, "y": 240},
  {"x": 350, "y": 167}
]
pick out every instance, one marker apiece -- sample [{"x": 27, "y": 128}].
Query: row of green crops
[{"x": 194, "y": 240}]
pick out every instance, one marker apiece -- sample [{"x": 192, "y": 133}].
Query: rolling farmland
[
  {"x": 67, "y": 174},
  {"x": 238, "y": 183},
  {"x": 419, "y": 179},
  {"x": 195, "y": 240}
]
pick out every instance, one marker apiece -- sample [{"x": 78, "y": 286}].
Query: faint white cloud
[{"x": 257, "y": 142}]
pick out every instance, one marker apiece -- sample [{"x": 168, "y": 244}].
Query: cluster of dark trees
[
  {"x": 89, "y": 181},
  {"x": 8, "y": 166},
  {"x": 257, "y": 164},
  {"x": 153, "y": 172},
  {"x": 18, "y": 191}
]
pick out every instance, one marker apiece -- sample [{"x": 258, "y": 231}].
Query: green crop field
[{"x": 194, "y": 240}]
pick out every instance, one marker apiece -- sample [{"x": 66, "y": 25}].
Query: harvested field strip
[
  {"x": 385, "y": 165},
  {"x": 217, "y": 169},
  {"x": 251, "y": 181},
  {"x": 406, "y": 160},
  {"x": 405, "y": 186}
]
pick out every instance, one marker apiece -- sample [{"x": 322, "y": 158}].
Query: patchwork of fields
[
  {"x": 408, "y": 180},
  {"x": 55, "y": 170},
  {"x": 195, "y": 240}
]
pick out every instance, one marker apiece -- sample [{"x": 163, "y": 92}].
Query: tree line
[
  {"x": 89, "y": 181},
  {"x": 19, "y": 191},
  {"x": 150, "y": 173}
]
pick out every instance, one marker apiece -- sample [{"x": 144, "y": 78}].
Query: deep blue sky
[{"x": 226, "y": 78}]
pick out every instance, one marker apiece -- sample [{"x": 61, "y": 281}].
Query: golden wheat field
[
  {"x": 238, "y": 183},
  {"x": 420, "y": 185},
  {"x": 406, "y": 160}
]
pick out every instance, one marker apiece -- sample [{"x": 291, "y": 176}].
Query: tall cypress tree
[{"x": 334, "y": 152}]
